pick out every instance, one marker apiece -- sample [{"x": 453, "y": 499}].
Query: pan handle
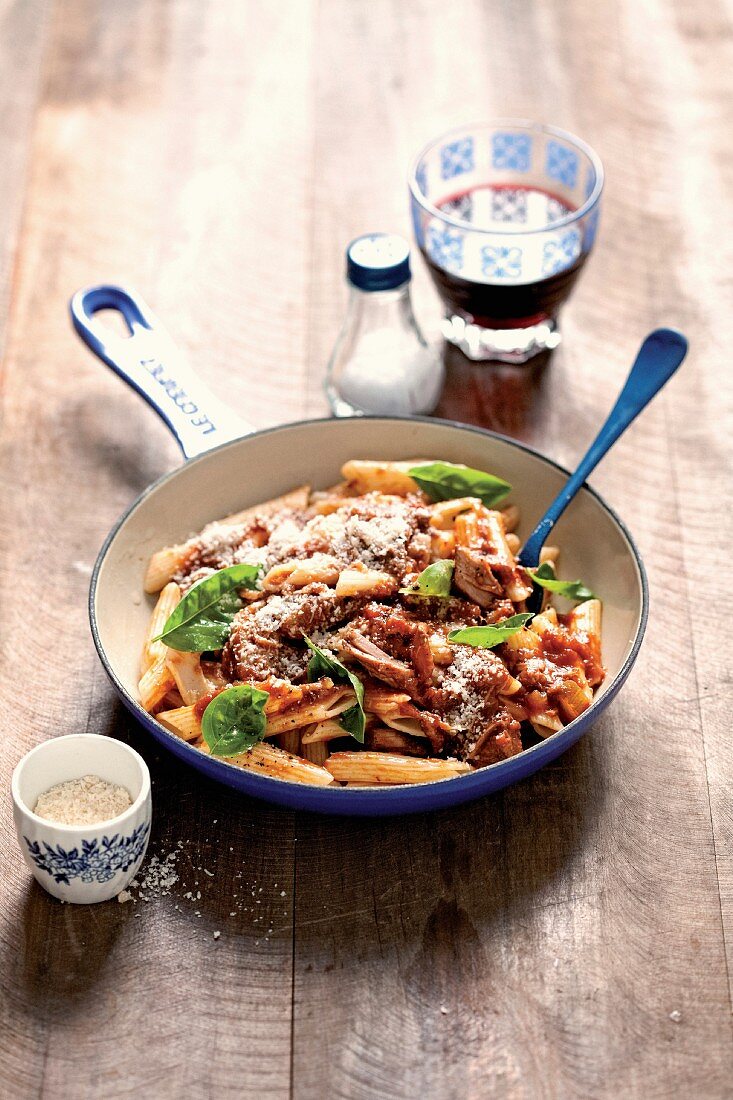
[{"x": 149, "y": 361}]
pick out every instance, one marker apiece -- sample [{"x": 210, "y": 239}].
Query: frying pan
[{"x": 231, "y": 466}]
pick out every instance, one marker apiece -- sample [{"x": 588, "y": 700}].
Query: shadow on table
[
  {"x": 439, "y": 883},
  {"x": 506, "y": 399},
  {"x": 65, "y": 946}
]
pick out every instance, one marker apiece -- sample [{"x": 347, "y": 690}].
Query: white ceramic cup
[{"x": 82, "y": 863}]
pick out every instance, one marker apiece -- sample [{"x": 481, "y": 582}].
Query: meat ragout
[{"x": 340, "y": 568}]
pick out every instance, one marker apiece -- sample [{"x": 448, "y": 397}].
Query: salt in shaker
[{"x": 381, "y": 363}]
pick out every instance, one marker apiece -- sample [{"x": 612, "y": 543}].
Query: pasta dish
[{"x": 372, "y": 633}]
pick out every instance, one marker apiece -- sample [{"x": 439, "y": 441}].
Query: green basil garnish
[
  {"x": 488, "y": 636},
  {"x": 573, "y": 590},
  {"x": 235, "y": 720},
  {"x": 435, "y": 580},
  {"x": 202, "y": 619},
  {"x": 321, "y": 664},
  {"x": 446, "y": 481}
]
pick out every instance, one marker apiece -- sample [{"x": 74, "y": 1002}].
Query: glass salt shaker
[{"x": 382, "y": 363}]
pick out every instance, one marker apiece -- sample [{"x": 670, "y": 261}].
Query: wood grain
[
  {"x": 551, "y": 957},
  {"x": 115, "y": 192},
  {"x": 569, "y": 938}
]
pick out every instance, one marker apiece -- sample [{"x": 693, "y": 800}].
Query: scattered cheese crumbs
[
  {"x": 675, "y": 1016},
  {"x": 216, "y": 935},
  {"x": 157, "y": 876},
  {"x": 124, "y": 895},
  {"x": 84, "y": 801}
]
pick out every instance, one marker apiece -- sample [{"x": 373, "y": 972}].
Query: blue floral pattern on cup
[
  {"x": 511, "y": 151},
  {"x": 509, "y": 205},
  {"x": 561, "y": 164},
  {"x": 561, "y": 252},
  {"x": 97, "y": 861},
  {"x": 456, "y": 158},
  {"x": 501, "y": 262},
  {"x": 445, "y": 248}
]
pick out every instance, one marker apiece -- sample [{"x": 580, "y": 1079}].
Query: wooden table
[{"x": 568, "y": 938}]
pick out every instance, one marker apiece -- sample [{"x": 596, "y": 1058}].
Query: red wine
[
  {"x": 497, "y": 305},
  {"x": 497, "y": 302}
]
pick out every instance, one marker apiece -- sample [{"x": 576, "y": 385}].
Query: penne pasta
[
  {"x": 517, "y": 589},
  {"x": 167, "y": 602},
  {"x": 510, "y": 686},
  {"x": 524, "y": 641},
  {"x": 163, "y": 566},
  {"x": 381, "y": 477},
  {"x": 312, "y": 713},
  {"x": 510, "y": 515},
  {"x": 183, "y": 721},
  {"x": 316, "y": 752},
  {"x": 442, "y": 545},
  {"x": 270, "y": 760},
  {"x": 514, "y": 543},
  {"x": 290, "y": 741},
  {"x": 365, "y": 582},
  {"x": 546, "y": 723},
  {"x": 155, "y": 683},
  {"x": 321, "y": 569},
  {"x": 443, "y": 514},
  {"x": 575, "y": 697},
  {"x": 587, "y": 617},
  {"x": 378, "y": 768},
  {"x": 185, "y": 669},
  {"x": 549, "y": 554},
  {"x": 394, "y": 709},
  {"x": 329, "y": 730}
]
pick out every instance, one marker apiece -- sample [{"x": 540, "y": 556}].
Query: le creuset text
[{"x": 178, "y": 396}]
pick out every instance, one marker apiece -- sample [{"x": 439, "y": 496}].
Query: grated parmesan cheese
[
  {"x": 84, "y": 801},
  {"x": 466, "y": 683}
]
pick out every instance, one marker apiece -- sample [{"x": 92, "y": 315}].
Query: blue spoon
[{"x": 659, "y": 357}]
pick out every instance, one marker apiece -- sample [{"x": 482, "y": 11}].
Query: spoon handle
[{"x": 659, "y": 357}]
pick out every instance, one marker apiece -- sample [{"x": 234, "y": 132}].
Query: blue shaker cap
[{"x": 378, "y": 261}]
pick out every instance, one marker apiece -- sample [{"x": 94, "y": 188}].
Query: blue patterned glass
[
  {"x": 505, "y": 209},
  {"x": 561, "y": 163},
  {"x": 511, "y": 151},
  {"x": 456, "y": 158}
]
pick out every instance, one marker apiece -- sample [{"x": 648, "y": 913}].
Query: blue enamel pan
[{"x": 230, "y": 466}]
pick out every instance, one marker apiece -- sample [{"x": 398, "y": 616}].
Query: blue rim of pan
[{"x": 415, "y": 797}]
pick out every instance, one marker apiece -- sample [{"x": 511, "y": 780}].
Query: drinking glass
[{"x": 505, "y": 215}]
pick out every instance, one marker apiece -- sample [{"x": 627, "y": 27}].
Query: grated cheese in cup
[{"x": 84, "y": 801}]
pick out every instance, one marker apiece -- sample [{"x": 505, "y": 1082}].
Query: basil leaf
[
  {"x": 235, "y": 720},
  {"x": 321, "y": 664},
  {"x": 202, "y": 619},
  {"x": 489, "y": 636},
  {"x": 574, "y": 590},
  {"x": 446, "y": 481},
  {"x": 435, "y": 580}
]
